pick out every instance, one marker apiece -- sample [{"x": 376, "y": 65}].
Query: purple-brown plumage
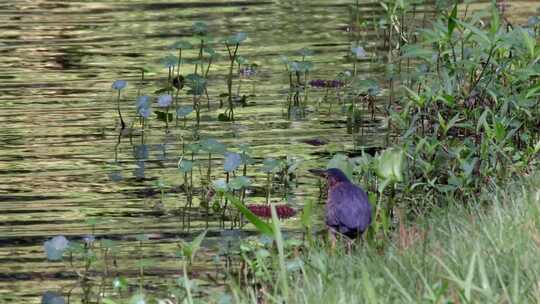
[{"x": 348, "y": 211}]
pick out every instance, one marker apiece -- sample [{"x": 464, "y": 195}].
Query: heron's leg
[
  {"x": 332, "y": 238},
  {"x": 350, "y": 243}
]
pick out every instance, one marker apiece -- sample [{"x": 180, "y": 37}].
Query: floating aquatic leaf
[
  {"x": 164, "y": 100},
  {"x": 184, "y": 111},
  {"x": 51, "y": 297},
  {"x": 245, "y": 148},
  {"x": 199, "y": 28},
  {"x": 182, "y": 44},
  {"x": 196, "y": 82},
  {"x": 143, "y": 102},
  {"x": 115, "y": 176},
  {"x": 236, "y": 38},
  {"x": 301, "y": 66},
  {"x": 55, "y": 247},
  {"x": 269, "y": 165},
  {"x": 232, "y": 161},
  {"x": 145, "y": 112},
  {"x": 169, "y": 61},
  {"x": 304, "y": 52},
  {"x": 241, "y": 60},
  {"x": 185, "y": 166},
  {"x": 193, "y": 147},
  {"x": 220, "y": 185},
  {"x": 359, "y": 52},
  {"x": 119, "y": 84},
  {"x": 211, "y": 145},
  {"x": 239, "y": 182}
]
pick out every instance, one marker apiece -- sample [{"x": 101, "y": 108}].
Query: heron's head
[{"x": 333, "y": 175}]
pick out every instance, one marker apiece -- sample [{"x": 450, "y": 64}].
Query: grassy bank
[{"x": 461, "y": 255}]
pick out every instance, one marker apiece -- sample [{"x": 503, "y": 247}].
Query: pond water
[{"x": 64, "y": 170}]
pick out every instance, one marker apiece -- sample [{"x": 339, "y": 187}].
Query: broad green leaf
[
  {"x": 342, "y": 162},
  {"x": 475, "y": 30},
  {"x": 452, "y": 21},
  {"x": 390, "y": 165},
  {"x": 307, "y": 214}
]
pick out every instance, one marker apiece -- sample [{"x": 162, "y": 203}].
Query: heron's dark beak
[{"x": 318, "y": 172}]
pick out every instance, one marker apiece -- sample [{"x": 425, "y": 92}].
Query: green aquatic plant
[
  {"x": 298, "y": 84},
  {"x": 178, "y": 80},
  {"x": 55, "y": 247},
  {"x": 118, "y": 85},
  {"x": 160, "y": 184},
  {"x": 164, "y": 102},
  {"x": 232, "y": 44},
  {"x": 143, "y": 108},
  {"x": 197, "y": 87},
  {"x": 270, "y": 166}
]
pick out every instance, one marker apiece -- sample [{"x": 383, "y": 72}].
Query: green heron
[{"x": 348, "y": 211}]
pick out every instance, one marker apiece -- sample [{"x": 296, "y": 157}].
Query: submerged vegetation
[{"x": 452, "y": 181}]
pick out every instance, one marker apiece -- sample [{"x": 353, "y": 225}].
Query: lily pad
[
  {"x": 239, "y": 182},
  {"x": 199, "y": 28},
  {"x": 184, "y": 111},
  {"x": 211, "y": 145},
  {"x": 236, "y": 38},
  {"x": 55, "y": 247},
  {"x": 359, "y": 52},
  {"x": 119, "y": 84},
  {"x": 169, "y": 61},
  {"x": 270, "y": 165},
  {"x": 164, "y": 100},
  {"x": 232, "y": 161},
  {"x": 182, "y": 44},
  {"x": 306, "y": 52},
  {"x": 185, "y": 166}
]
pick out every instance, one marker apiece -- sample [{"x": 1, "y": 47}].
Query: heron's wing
[{"x": 352, "y": 210}]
